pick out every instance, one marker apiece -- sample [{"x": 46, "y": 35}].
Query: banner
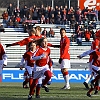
[
  {"x": 16, "y": 75},
  {"x": 89, "y": 3}
]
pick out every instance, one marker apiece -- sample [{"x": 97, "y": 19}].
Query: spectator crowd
[{"x": 83, "y": 21}]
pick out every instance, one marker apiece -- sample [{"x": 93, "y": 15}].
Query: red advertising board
[{"x": 90, "y": 4}]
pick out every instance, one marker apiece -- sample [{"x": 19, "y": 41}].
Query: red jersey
[
  {"x": 2, "y": 52},
  {"x": 43, "y": 61},
  {"x": 24, "y": 41},
  {"x": 28, "y": 58},
  {"x": 64, "y": 48},
  {"x": 87, "y": 35},
  {"x": 29, "y": 39},
  {"x": 94, "y": 46},
  {"x": 96, "y": 58},
  {"x": 38, "y": 37}
]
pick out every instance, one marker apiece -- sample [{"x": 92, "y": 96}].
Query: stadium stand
[
  {"x": 11, "y": 35},
  {"x": 15, "y": 53}
]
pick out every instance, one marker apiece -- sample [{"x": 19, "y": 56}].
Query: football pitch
[{"x": 14, "y": 91}]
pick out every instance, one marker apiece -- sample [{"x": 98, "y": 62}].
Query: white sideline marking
[{"x": 53, "y": 69}]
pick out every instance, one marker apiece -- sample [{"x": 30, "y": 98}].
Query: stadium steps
[{"x": 15, "y": 52}]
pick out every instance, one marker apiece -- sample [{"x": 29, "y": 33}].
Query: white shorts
[
  {"x": 40, "y": 80},
  {"x": 65, "y": 63},
  {"x": 39, "y": 71},
  {"x": 29, "y": 69}
]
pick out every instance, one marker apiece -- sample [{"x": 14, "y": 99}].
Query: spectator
[
  {"x": 85, "y": 21},
  {"x": 46, "y": 14},
  {"x": 16, "y": 11},
  {"x": 90, "y": 27},
  {"x": 24, "y": 11},
  {"x": 1, "y": 28},
  {"x": 10, "y": 24},
  {"x": 71, "y": 13},
  {"x": 73, "y": 38},
  {"x": 79, "y": 38},
  {"x": 64, "y": 16},
  {"x": 92, "y": 34},
  {"x": 16, "y": 24},
  {"x": 5, "y": 17},
  {"x": 87, "y": 35},
  {"x": 10, "y": 10},
  {"x": 43, "y": 20},
  {"x": 13, "y": 18},
  {"x": 82, "y": 29},
  {"x": 76, "y": 27},
  {"x": 24, "y": 20},
  {"x": 77, "y": 14},
  {"x": 29, "y": 18},
  {"x": 35, "y": 14},
  {"x": 25, "y": 27},
  {"x": 51, "y": 11},
  {"x": 72, "y": 21},
  {"x": 58, "y": 18},
  {"x": 18, "y": 18},
  {"x": 52, "y": 19},
  {"x": 85, "y": 12},
  {"x": 94, "y": 14},
  {"x": 51, "y": 33},
  {"x": 44, "y": 32},
  {"x": 94, "y": 24}
]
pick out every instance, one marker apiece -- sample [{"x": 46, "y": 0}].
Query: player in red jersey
[
  {"x": 3, "y": 58},
  {"x": 34, "y": 34},
  {"x": 40, "y": 80},
  {"x": 41, "y": 67},
  {"x": 94, "y": 46},
  {"x": 25, "y": 41},
  {"x": 64, "y": 57},
  {"x": 95, "y": 67},
  {"x": 29, "y": 63}
]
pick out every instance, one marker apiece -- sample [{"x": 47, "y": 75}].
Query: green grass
[{"x": 14, "y": 91}]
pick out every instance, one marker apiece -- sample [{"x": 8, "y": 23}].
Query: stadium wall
[{"x": 16, "y": 75}]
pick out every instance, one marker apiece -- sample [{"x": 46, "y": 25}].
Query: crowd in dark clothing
[
  {"x": 83, "y": 21},
  {"x": 57, "y": 15},
  {"x": 83, "y": 32}
]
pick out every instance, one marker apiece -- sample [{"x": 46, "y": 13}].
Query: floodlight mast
[
  {"x": 52, "y": 3},
  {"x": 18, "y": 4}
]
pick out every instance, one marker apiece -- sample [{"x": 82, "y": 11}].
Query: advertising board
[
  {"x": 16, "y": 75},
  {"x": 90, "y": 4}
]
